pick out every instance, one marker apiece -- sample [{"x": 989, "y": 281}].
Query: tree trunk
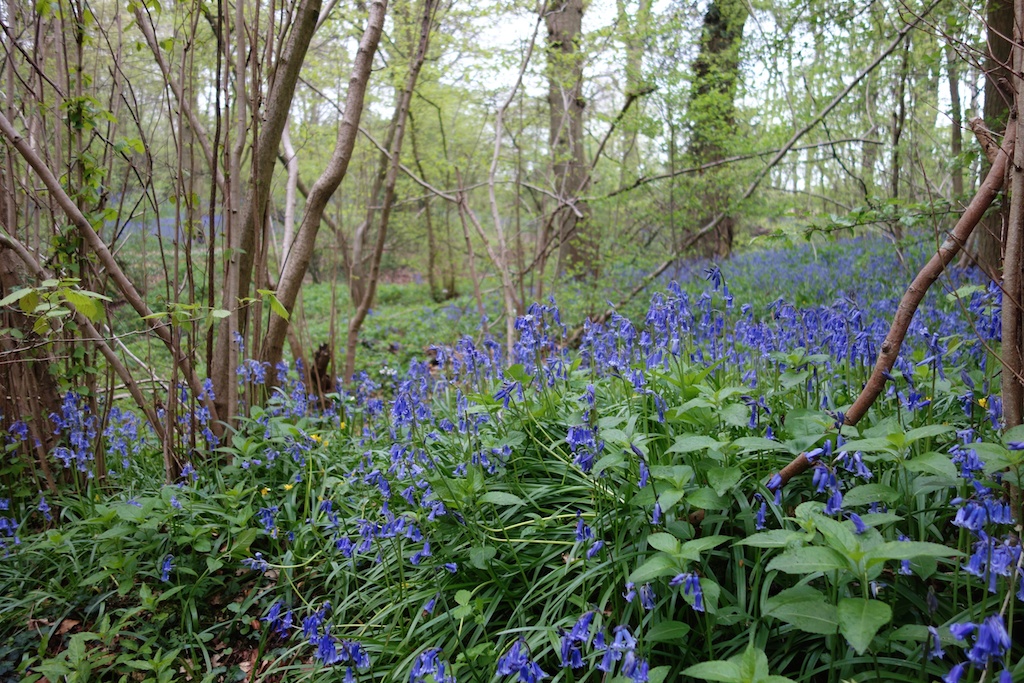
[
  {"x": 713, "y": 110},
  {"x": 578, "y": 246},
  {"x": 401, "y": 114},
  {"x": 984, "y": 248},
  {"x": 325, "y": 186},
  {"x": 239, "y": 270},
  {"x": 956, "y": 136}
]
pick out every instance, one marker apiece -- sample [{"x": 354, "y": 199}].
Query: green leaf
[
  {"x": 808, "y": 560},
  {"x": 908, "y": 550},
  {"x": 87, "y": 306},
  {"x": 667, "y": 632},
  {"x": 656, "y": 566},
  {"x": 776, "y": 538},
  {"x": 933, "y": 463},
  {"x": 242, "y": 543},
  {"x": 16, "y": 295},
  {"x": 658, "y": 674},
  {"x": 860, "y": 619},
  {"x": 481, "y": 556},
  {"x": 665, "y": 542},
  {"x": 748, "y": 444},
  {"x": 722, "y": 479},
  {"x": 501, "y": 498},
  {"x": 925, "y": 432},
  {"x": 275, "y": 304},
  {"x": 725, "y": 672},
  {"x": 805, "y": 608},
  {"x": 688, "y": 443},
  {"x": 691, "y": 550},
  {"x": 706, "y": 499},
  {"x": 865, "y": 494}
]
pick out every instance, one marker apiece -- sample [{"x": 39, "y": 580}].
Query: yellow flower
[
  {"x": 315, "y": 437},
  {"x": 289, "y": 487},
  {"x": 983, "y": 402},
  {"x": 264, "y": 491},
  {"x": 341, "y": 426}
]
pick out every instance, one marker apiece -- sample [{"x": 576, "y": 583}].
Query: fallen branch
[{"x": 890, "y": 349}]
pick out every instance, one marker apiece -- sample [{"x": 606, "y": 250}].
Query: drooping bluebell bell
[
  {"x": 166, "y": 567},
  {"x": 257, "y": 563}
]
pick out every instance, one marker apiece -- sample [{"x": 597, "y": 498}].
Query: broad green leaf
[
  {"x": 16, "y": 295},
  {"x": 667, "y": 632},
  {"x": 933, "y": 463},
  {"x": 501, "y": 498},
  {"x": 275, "y": 304},
  {"x": 865, "y": 494},
  {"x": 908, "y": 550},
  {"x": 706, "y": 499},
  {"x": 88, "y": 307},
  {"x": 616, "y": 460},
  {"x": 659, "y": 673},
  {"x": 656, "y": 566},
  {"x": 481, "y": 556},
  {"x": 804, "y": 608},
  {"x": 808, "y": 560},
  {"x": 749, "y": 444},
  {"x": 677, "y": 475},
  {"x": 691, "y": 550},
  {"x": 688, "y": 443},
  {"x": 664, "y": 542},
  {"x": 776, "y": 538},
  {"x": 860, "y": 619},
  {"x": 925, "y": 432},
  {"x": 725, "y": 672},
  {"x": 669, "y": 498},
  {"x": 870, "y": 445},
  {"x": 723, "y": 479}
]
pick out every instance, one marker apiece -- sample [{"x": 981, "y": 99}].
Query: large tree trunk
[
  {"x": 578, "y": 246},
  {"x": 984, "y": 248},
  {"x": 713, "y": 109}
]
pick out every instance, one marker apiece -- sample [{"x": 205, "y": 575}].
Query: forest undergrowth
[{"x": 606, "y": 513}]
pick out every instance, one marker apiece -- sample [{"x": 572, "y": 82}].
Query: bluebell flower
[
  {"x": 647, "y": 597},
  {"x": 430, "y": 667},
  {"x": 991, "y": 643},
  {"x": 954, "y": 675},
  {"x": 44, "y": 508},
  {"x": 594, "y": 549},
  {"x": 936, "y": 651},
  {"x": 257, "y": 563},
  {"x": 166, "y": 567}
]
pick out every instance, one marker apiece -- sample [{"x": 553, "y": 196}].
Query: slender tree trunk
[
  {"x": 956, "y": 136},
  {"x": 899, "y": 118},
  {"x": 325, "y": 186},
  {"x": 355, "y": 323},
  {"x": 239, "y": 270}
]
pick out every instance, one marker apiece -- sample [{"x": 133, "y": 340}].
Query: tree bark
[
  {"x": 316, "y": 202},
  {"x": 578, "y": 247},
  {"x": 713, "y": 109},
  {"x": 401, "y": 115},
  {"x": 239, "y": 270},
  {"x": 984, "y": 249}
]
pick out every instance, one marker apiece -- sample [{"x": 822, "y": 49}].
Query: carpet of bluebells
[{"x": 611, "y": 512}]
